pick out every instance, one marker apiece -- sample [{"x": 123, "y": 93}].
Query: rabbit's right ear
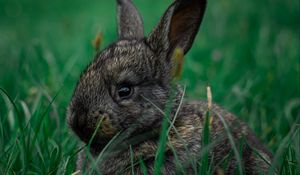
[
  {"x": 130, "y": 24},
  {"x": 178, "y": 26}
]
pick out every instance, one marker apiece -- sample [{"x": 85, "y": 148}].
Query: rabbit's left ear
[
  {"x": 130, "y": 24},
  {"x": 178, "y": 26}
]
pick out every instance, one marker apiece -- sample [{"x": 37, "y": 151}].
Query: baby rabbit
[{"x": 118, "y": 105}]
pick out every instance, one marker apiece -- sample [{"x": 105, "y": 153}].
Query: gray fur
[
  {"x": 130, "y": 24},
  {"x": 145, "y": 64}
]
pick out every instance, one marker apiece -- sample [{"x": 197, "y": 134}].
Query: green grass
[{"x": 247, "y": 51}]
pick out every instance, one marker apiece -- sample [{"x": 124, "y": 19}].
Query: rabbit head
[{"x": 125, "y": 80}]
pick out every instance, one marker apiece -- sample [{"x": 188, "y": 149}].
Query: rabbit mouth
[
  {"x": 101, "y": 132},
  {"x": 94, "y": 130},
  {"x": 107, "y": 129}
]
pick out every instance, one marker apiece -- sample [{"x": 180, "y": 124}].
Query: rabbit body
[
  {"x": 126, "y": 89},
  {"x": 187, "y": 143}
]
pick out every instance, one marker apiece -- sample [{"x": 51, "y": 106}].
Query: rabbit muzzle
[{"x": 96, "y": 128}]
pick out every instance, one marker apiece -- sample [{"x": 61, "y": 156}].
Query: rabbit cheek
[{"x": 128, "y": 115}]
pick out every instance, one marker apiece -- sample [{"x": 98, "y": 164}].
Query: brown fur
[{"x": 145, "y": 65}]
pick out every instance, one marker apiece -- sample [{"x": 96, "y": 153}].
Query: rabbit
[{"x": 126, "y": 89}]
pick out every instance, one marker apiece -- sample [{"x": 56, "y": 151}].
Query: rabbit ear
[
  {"x": 130, "y": 24},
  {"x": 178, "y": 26}
]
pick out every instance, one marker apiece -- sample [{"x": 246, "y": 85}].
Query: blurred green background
[{"x": 248, "y": 51}]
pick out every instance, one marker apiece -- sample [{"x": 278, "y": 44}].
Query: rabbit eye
[{"x": 124, "y": 91}]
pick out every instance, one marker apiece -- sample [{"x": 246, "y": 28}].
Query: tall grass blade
[
  {"x": 131, "y": 160},
  {"x": 143, "y": 167},
  {"x": 159, "y": 158},
  {"x": 281, "y": 149},
  {"x": 232, "y": 143},
  {"x": 205, "y": 142},
  {"x": 40, "y": 120},
  {"x": 205, "y": 135}
]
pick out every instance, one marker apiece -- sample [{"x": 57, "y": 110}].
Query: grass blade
[
  {"x": 159, "y": 158},
  {"x": 232, "y": 143}
]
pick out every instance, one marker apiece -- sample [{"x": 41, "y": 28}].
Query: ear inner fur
[
  {"x": 178, "y": 26},
  {"x": 185, "y": 23}
]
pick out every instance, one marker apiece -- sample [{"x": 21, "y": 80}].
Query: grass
[{"x": 247, "y": 51}]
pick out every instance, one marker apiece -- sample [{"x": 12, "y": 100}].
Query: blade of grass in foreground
[
  {"x": 179, "y": 166},
  {"x": 95, "y": 132},
  {"x": 159, "y": 158},
  {"x": 11, "y": 159},
  {"x": 205, "y": 142},
  {"x": 177, "y": 111},
  {"x": 40, "y": 120},
  {"x": 282, "y": 147},
  {"x": 143, "y": 167},
  {"x": 205, "y": 136},
  {"x": 20, "y": 126},
  {"x": 131, "y": 160},
  {"x": 102, "y": 153},
  {"x": 232, "y": 143},
  {"x": 171, "y": 126},
  {"x": 19, "y": 120},
  {"x": 177, "y": 59},
  {"x": 297, "y": 150},
  {"x": 94, "y": 165}
]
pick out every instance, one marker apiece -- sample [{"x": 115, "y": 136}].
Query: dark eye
[{"x": 124, "y": 91}]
